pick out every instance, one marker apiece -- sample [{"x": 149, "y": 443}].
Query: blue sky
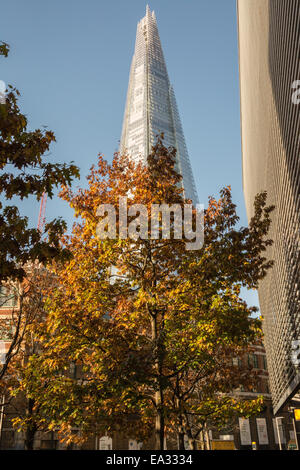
[{"x": 70, "y": 60}]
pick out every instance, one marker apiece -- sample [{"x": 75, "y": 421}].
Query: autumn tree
[
  {"x": 29, "y": 297},
  {"x": 211, "y": 325},
  {"x": 25, "y": 172},
  {"x": 151, "y": 325}
]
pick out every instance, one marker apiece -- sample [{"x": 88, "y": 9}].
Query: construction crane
[{"x": 41, "y": 220}]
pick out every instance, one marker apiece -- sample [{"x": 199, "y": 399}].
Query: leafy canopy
[{"x": 25, "y": 172}]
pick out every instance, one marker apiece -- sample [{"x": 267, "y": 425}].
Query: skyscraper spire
[{"x": 151, "y": 106}]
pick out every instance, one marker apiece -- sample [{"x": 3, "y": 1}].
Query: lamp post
[{"x": 278, "y": 432}]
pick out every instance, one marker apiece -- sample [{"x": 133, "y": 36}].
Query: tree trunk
[
  {"x": 180, "y": 438},
  {"x": 159, "y": 422},
  {"x": 31, "y": 427},
  {"x": 188, "y": 430},
  {"x": 159, "y": 394},
  {"x": 192, "y": 444},
  {"x": 29, "y": 438},
  {"x": 207, "y": 439},
  {"x": 202, "y": 440},
  {"x": 180, "y": 432}
]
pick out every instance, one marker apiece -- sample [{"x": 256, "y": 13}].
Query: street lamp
[{"x": 278, "y": 432}]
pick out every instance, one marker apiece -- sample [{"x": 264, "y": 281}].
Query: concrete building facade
[{"x": 269, "y": 49}]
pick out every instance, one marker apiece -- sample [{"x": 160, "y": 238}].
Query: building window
[
  {"x": 8, "y": 297},
  {"x": 252, "y": 361},
  {"x": 236, "y": 361},
  {"x": 265, "y": 362},
  {"x": 267, "y": 387}
]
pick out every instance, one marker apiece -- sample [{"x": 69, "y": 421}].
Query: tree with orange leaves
[{"x": 152, "y": 338}]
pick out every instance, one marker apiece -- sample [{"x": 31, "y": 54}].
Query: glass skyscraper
[{"x": 151, "y": 107}]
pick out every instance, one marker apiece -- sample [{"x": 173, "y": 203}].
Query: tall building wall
[
  {"x": 151, "y": 105},
  {"x": 269, "y": 47}
]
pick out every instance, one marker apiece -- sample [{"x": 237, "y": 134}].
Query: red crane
[{"x": 41, "y": 221}]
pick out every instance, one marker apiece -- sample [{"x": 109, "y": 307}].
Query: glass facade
[{"x": 151, "y": 106}]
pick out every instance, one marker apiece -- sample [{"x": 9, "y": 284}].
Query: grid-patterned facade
[
  {"x": 269, "y": 51},
  {"x": 151, "y": 106}
]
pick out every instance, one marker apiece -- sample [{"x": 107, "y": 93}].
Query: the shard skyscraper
[{"x": 151, "y": 106}]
